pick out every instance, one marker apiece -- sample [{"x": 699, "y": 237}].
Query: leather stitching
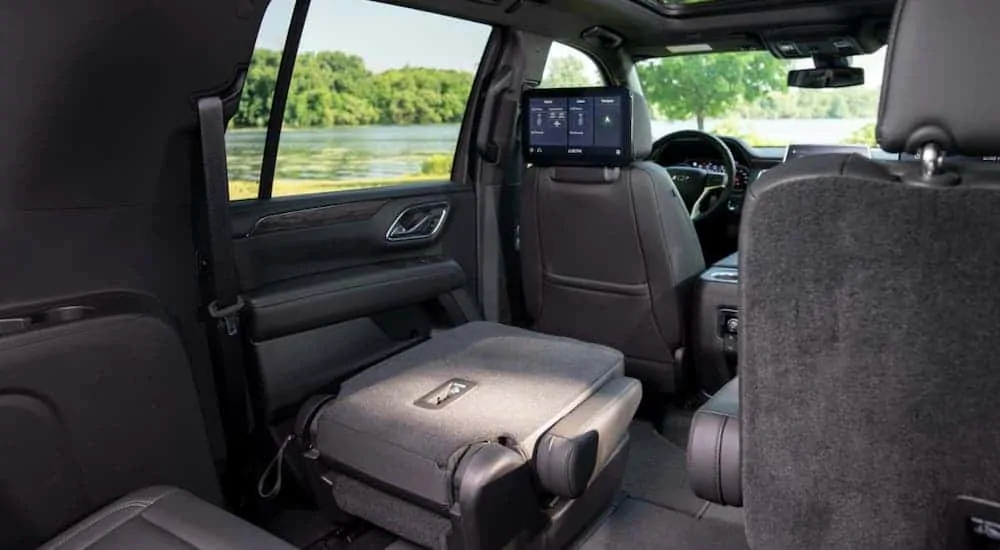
[
  {"x": 104, "y": 514},
  {"x": 717, "y": 462},
  {"x": 642, "y": 252}
]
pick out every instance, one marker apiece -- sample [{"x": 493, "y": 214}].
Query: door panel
[
  {"x": 330, "y": 293},
  {"x": 308, "y": 235}
]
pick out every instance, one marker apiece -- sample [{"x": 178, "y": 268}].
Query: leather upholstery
[
  {"x": 572, "y": 452},
  {"x": 926, "y": 92},
  {"x": 164, "y": 518},
  {"x": 713, "y": 453},
  {"x": 608, "y": 255}
]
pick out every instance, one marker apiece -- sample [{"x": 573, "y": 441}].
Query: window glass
[
  {"x": 244, "y": 138},
  {"x": 746, "y": 95},
  {"x": 568, "y": 67},
  {"x": 376, "y": 98}
]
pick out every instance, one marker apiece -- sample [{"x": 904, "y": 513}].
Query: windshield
[{"x": 745, "y": 95}]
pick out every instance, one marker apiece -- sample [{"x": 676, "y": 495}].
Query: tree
[
  {"x": 864, "y": 135},
  {"x": 567, "y": 72},
  {"x": 708, "y": 85}
]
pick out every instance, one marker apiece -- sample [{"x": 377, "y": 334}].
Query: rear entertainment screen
[
  {"x": 577, "y": 126},
  {"x": 798, "y": 151}
]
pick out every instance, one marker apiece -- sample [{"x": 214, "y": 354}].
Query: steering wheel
[{"x": 699, "y": 182}]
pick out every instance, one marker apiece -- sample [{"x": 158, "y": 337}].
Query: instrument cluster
[{"x": 742, "y": 172}]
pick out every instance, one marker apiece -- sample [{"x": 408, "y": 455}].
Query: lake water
[{"x": 363, "y": 152}]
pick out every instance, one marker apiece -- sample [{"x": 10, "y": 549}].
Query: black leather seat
[
  {"x": 713, "y": 452},
  {"x": 96, "y": 405},
  {"x": 608, "y": 256},
  {"x": 163, "y": 518},
  {"x": 868, "y": 337}
]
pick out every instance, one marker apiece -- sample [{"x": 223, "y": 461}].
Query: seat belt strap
[
  {"x": 224, "y": 302},
  {"x": 493, "y": 270},
  {"x": 510, "y": 222}
]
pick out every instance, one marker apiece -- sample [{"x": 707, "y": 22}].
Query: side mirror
[{"x": 831, "y": 77}]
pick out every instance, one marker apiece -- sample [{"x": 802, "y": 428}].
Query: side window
[
  {"x": 246, "y": 132},
  {"x": 376, "y": 97},
  {"x": 568, "y": 67}
]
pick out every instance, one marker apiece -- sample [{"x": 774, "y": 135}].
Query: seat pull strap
[{"x": 274, "y": 468}]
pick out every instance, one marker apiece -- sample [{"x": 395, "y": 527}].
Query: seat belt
[
  {"x": 501, "y": 116},
  {"x": 224, "y": 302},
  {"x": 510, "y": 223}
]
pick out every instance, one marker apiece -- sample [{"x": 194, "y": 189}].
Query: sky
[
  {"x": 385, "y": 36},
  {"x": 389, "y": 36}
]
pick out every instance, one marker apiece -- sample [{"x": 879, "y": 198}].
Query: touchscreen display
[
  {"x": 582, "y": 126},
  {"x": 798, "y": 151}
]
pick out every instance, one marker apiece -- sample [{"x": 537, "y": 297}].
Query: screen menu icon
[
  {"x": 548, "y": 122},
  {"x": 608, "y": 130},
  {"x": 581, "y": 122}
]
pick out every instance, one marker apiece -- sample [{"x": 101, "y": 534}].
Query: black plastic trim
[{"x": 280, "y": 98}]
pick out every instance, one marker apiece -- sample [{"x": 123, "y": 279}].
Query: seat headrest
[
  {"x": 941, "y": 80},
  {"x": 642, "y": 131}
]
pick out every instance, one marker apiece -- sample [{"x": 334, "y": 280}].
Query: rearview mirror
[{"x": 830, "y": 77}]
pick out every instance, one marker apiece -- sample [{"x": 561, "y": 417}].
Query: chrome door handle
[{"x": 420, "y": 222}]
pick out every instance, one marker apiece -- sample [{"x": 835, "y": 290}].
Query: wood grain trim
[{"x": 316, "y": 217}]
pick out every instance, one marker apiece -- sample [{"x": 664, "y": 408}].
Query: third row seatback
[{"x": 868, "y": 333}]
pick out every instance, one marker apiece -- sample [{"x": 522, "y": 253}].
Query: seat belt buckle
[{"x": 228, "y": 314}]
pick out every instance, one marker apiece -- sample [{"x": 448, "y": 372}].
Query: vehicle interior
[{"x": 271, "y": 279}]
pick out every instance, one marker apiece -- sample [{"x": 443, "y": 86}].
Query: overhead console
[
  {"x": 577, "y": 126},
  {"x": 826, "y": 40}
]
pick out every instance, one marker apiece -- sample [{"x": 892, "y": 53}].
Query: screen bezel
[{"x": 564, "y": 159}]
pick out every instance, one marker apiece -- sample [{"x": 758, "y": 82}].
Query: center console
[{"x": 716, "y": 324}]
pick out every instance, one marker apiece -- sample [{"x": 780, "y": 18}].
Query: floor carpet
[{"x": 638, "y": 525}]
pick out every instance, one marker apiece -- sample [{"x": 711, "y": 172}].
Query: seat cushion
[
  {"x": 713, "y": 453},
  {"x": 509, "y": 386},
  {"x": 164, "y": 518}
]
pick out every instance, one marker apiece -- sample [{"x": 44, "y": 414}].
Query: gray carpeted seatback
[{"x": 869, "y": 365}]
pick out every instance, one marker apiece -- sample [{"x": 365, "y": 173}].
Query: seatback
[
  {"x": 868, "y": 369},
  {"x": 96, "y": 400},
  {"x": 608, "y": 254}
]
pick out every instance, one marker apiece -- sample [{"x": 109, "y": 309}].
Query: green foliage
[
  {"x": 864, "y": 135},
  {"x": 336, "y": 89},
  {"x": 567, "y": 72},
  {"x": 801, "y": 104},
  {"x": 734, "y": 129},
  {"x": 414, "y": 95},
  {"x": 703, "y": 86},
  {"x": 437, "y": 165},
  {"x": 255, "y": 104}
]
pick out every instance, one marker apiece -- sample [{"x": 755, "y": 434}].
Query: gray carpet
[
  {"x": 657, "y": 471},
  {"x": 637, "y": 525}
]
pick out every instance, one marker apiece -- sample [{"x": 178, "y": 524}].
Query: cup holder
[{"x": 66, "y": 314}]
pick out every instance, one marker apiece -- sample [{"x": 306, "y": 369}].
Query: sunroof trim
[{"x": 694, "y": 8}]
